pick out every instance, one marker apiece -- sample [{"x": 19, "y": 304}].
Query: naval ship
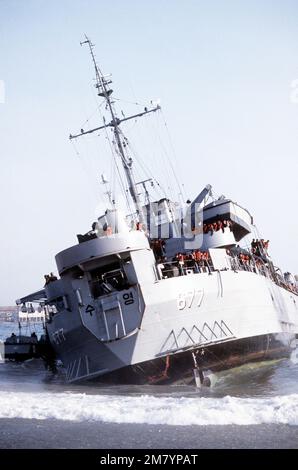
[{"x": 165, "y": 294}]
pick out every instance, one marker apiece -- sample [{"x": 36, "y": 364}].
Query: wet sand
[{"x": 56, "y": 434}]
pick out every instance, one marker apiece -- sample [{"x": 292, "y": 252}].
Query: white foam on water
[{"x": 149, "y": 409}]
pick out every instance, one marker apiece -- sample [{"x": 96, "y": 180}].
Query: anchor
[{"x": 202, "y": 378}]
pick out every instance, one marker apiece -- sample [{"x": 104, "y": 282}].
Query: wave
[{"x": 150, "y": 410}]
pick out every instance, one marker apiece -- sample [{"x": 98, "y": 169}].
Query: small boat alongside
[{"x": 21, "y": 347}]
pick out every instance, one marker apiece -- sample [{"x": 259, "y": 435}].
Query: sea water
[{"x": 263, "y": 393}]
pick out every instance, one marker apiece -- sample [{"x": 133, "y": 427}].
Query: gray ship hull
[
  {"x": 179, "y": 368},
  {"x": 227, "y": 319},
  {"x": 117, "y": 314}
]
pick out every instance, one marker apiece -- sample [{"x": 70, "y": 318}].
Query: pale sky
[{"x": 223, "y": 71}]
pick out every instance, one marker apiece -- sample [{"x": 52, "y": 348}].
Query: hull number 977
[{"x": 189, "y": 299}]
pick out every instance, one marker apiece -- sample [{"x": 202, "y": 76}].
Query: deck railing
[{"x": 169, "y": 269}]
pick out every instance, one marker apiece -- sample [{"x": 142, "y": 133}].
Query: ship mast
[{"x": 104, "y": 90}]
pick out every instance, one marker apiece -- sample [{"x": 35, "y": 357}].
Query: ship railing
[
  {"x": 170, "y": 269},
  {"x": 253, "y": 266},
  {"x": 237, "y": 265}
]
